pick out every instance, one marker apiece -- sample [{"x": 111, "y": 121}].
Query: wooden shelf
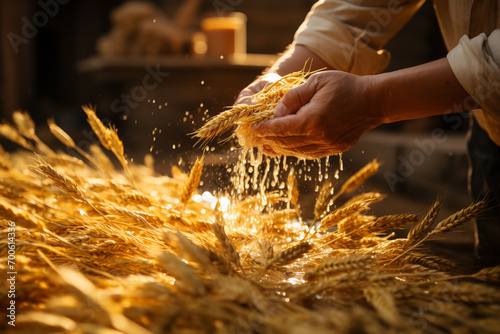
[{"x": 248, "y": 61}]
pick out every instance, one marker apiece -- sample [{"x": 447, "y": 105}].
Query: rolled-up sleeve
[
  {"x": 349, "y": 35},
  {"x": 476, "y": 64}
]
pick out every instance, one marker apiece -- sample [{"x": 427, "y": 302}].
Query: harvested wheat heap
[{"x": 101, "y": 249}]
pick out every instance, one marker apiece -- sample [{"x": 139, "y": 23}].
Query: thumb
[{"x": 294, "y": 99}]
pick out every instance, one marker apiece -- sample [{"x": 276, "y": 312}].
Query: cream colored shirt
[{"x": 350, "y": 36}]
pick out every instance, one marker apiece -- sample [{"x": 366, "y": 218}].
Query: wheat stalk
[
  {"x": 490, "y": 274},
  {"x": 192, "y": 181},
  {"x": 293, "y": 191},
  {"x": 186, "y": 280},
  {"x": 334, "y": 217},
  {"x": 266, "y": 252},
  {"x": 347, "y": 263},
  {"x": 11, "y": 134},
  {"x": 109, "y": 139},
  {"x": 360, "y": 177},
  {"x": 323, "y": 200},
  {"x": 264, "y": 103},
  {"x": 63, "y": 182},
  {"x": 385, "y": 305},
  {"x": 459, "y": 218},
  {"x": 99, "y": 129},
  {"x": 368, "y": 198},
  {"x": 453, "y": 221},
  {"x": 289, "y": 254},
  {"x": 66, "y": 139},
  {"x": 223, "y": 121},
  {"x": 136, "y": 197},
  {"x": 421, "y": 229},
  {"x": 431, "y": 262},
  {"x": 26, "y": 127},
  {"x": 225, "y": 242},
  {"x": 188, "y": 248},
  {"x": 388, "y": 222},
  {"x": 101, "y": 158}
]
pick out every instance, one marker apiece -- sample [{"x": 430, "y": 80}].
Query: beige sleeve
[
  {"x": 349, "y": 35},
  {"x": 476, "y": 64}
]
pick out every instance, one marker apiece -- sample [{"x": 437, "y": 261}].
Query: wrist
[
  {"x": 377, "y": 98},
  {"x": 416, "y": 92}
]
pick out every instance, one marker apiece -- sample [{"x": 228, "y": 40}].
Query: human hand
[
  {"x": 245, "y": 96},
  {"x": 324, "y": 116}
]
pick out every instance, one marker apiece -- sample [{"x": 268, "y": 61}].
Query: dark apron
[
  {"x": 484, "y": 184},
  {"x": 484, "y": 155}
]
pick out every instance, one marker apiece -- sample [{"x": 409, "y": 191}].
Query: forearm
[
  {"x": 294, "y": 59},
  {"x": 416, "y": 92}
]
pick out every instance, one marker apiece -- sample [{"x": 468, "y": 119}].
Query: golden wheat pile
[{"x": 101, "y": 249}]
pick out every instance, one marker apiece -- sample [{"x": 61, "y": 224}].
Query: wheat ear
[
  {"x": 360, "y": 177},
  {"x": 66, "y": 139},
  {"x": 109, "y": 139},
  {"x": 423, "y": 227},
  {"x": 290, "y": 254},
  {"x": 63, "y": 182},
  {"x": 192, "y": 181},
  {"x": 347, "y": 263},
  {"x": 453, "y": 221},
  {"x": 26, "y": 127},
  {"x": 459, "y": 218},
  {"x": 11, "y": 134}
]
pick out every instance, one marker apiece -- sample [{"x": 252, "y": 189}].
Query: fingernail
[{"x": 280, "y": 110}]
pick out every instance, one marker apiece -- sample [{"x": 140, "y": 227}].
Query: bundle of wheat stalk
[
  {"x": 100, "y": 249},
  {"x": 261, "y": 109}
]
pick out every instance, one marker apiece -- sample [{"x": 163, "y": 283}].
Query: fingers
[
  {"x": 245, "y": 96},
  {"x": 304, "y": 152},
  {"x": 289, "y": 142},
  {"x": 267, "y": 150},
  {"x": 294, "y": 99},
  {"x": 290, "y": 125}
]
